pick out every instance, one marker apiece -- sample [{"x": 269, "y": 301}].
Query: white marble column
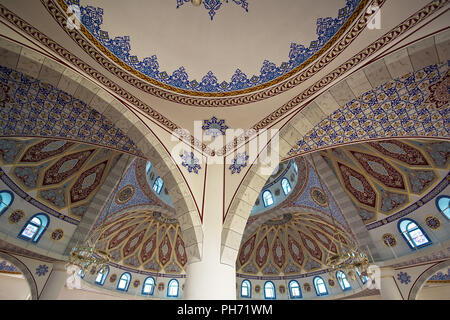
[
  {"x": 388, "y": 287},
  {"x": 55, "y": 282},
  {"x": 209, "y": 279}
]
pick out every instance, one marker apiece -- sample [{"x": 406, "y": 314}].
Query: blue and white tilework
[
  {"x": 214, "y": 5},
  {"x": 396, "y": 109},
  {"x": 214, "y": 127},
  {"x": 190, "y": 162},
  {"x": 239, "y": 162}
]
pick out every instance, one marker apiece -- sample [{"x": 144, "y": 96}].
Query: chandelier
[{"x": 351, "y": 259}]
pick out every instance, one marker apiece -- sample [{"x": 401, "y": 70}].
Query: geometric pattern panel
[
  {"x": 142, "y": 239},
  {"x": 35, "y": 108},
  {"x": 291, "y": 244},
  {"x": 401, "y": 107},
  {"x": 380, "y": 176},
  {"x": 64, "y": 175}
]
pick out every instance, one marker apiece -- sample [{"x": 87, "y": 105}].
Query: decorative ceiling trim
[{"x": 209, "y": 86}]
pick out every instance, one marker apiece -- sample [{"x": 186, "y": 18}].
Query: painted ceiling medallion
[
  {"x": 125, "y": 194},
  {"x": 214, "y": 127},
  {"x": 239, "y": 162},
  {"x": 213, "y": 5},
  {"x": 190, "y": 162},
  {"x": 148, "y": 68},
  {"x": 440, "y": 92}
]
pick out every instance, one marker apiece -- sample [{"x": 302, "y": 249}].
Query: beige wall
[
  {"x": 435, "y": 292},
  {"x": 13, "y": 287}
]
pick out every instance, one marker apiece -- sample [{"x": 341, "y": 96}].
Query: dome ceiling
[
  {"x": 190, "y": 60},
  {"x": 385, "y": 177},
  {"x": 63, "y": 175}
]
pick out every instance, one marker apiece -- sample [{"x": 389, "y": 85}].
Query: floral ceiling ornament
[
  {"x": 41, "y": 270},
  {"x": 213, "y": 5},
  {"x": 190, "y": 162},
  {"x": 239, "y": 162},
  {"x": 214, "y": 127},
  {"x": 440, "y": 92},
  {"x": 404, "y": 278}
]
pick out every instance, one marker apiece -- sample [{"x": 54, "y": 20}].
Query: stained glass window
[
  {"x": 34, "y": 228},
  {"x": 149, "y": 286},
  {"x": 286, "y": 186},
  {"x": 172, "y": 289},
  {"x": 124, "y": 282},
  {"x": 148, "y": 166},
  {"x": 413, "y": 234},
  {"x": 295, "y": 167},
  {"x": 6, "y": 199},
  {"x": 269, "y": 290},
  {"x": 443, "y": 204},
  {"x": 246, "y": 289},
  {"x": 294, "y": 290},
  {"x": 342, "y": 279},
  {"x": 101, "y": 276},
  {"x": 157, "y": 185},
  {"x": 363, "y": 278},
  {"x": 319, "y": 285},
  {"x": 267, "y": 198}
]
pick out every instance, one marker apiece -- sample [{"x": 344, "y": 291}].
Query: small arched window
[
  {"x": 443, "y": 205},
  {"x": 319, "y": 285},
  {"x": 294, "y": 290},
  {"x": 269, "y": 290},
  {"x": 267, "y": 198},
  {"x": 6, "y": 199},
  {"x": 413, "y": 234},
  {"x": 124, "y": 282},
  {"x": 81, "y": 273},
  {"x": 148, "y": 166},
  {"x": 286, "y": 186},
  {"x": 172, "y": 288},
  {"x": 101, "y": 276},
  {"x": 361, "y": 277},
  {"x": 246, "y": 289},
  {"x": 342, "y": 279},
  {"x": 149, "y": 286},
  {"x": 157, "y": 185},
  {"x": 295, "y": 167},
  {"x": 34, "y": 228}
]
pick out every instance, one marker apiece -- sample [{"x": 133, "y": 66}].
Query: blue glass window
[
  {"x": 101, "y": 276},
  {"x": 157, "y": 185},
  {"x": 361, "y": 277},
  {"x": 172, "y": 288},
  {"x": 34, "y": 228},
  {"x": 443, "y": 204},
  {"x": 124, "y": 282},
  {"x": 6, "y": 199},
  {"x": 343, "y": 282},
  {"x": 286, "y": 186},
  {"x": 149, "y": 286},
  {"x": 267, "y": 198},
  {"x": 295, "y": 167},
  {"x": 413, "y": 234},
  {"x": 269, "y": 290},
  {"x": 319, "y": 285},
  {"x": 246, "y": 289},
  {"x": 148, "y": 166},
  {"x": 294, "y": 290}
]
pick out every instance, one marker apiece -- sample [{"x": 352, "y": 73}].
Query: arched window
[
  {"x": 342, "y": 279},
  {"x": 124, "y": 282},
  {"x": 101, "y": 276},
  {"x": 148, "y": 166},
  {"x": 34, "y": 228},
  {"x": 6, "y": 199},
  {"x": 81, "y": 273},
  {"x": 286, "y": 186},
  {"x": 295, "y": 167},
  {"x": 172, "y": 288},
  {"x": 443, "y": 205},
  {"x": 361, "y": 277},
  {"x": 319, "y": 285},
  {"x": 157, "y": 185},
  {"x": 267, "y": 198},
  {"x": 413, "y": 234},
  {"x": 269, "y": 290},
  {"x": 246, "y": 289},
  {"x": 149, "y": 286},
  {"x": 294, "y": 290}
]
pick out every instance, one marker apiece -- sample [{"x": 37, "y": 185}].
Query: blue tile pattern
[
  {"x": 40, "y": 109},
  {"x": 120, "y": 46},
  {"x": 395, "y": 109},
  {"x": 190, "y": 162},
  {"x": 239, "y": 162},
  {"x": 214, "y": 127}
]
